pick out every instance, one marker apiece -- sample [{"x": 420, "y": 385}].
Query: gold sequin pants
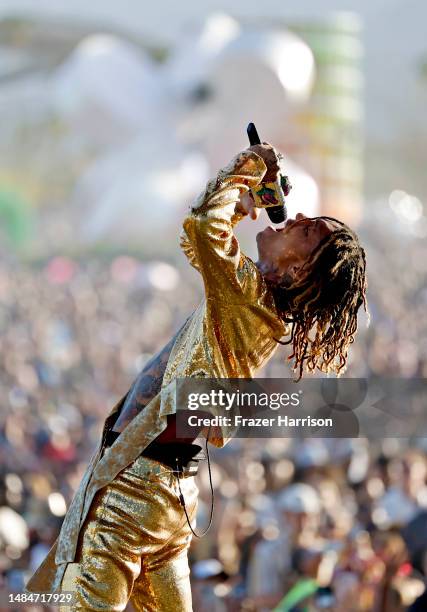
[{"x": 134, "y": 542}]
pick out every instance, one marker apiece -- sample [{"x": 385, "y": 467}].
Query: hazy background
[{"x": 113, "y": 117}]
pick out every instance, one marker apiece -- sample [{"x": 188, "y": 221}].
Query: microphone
[{"x": 270, "y": 196}]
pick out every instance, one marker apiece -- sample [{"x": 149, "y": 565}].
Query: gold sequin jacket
[{"x": 229, "y": 335}]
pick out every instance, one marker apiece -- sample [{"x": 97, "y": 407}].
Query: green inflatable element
[{"x": 15, "y": 217}]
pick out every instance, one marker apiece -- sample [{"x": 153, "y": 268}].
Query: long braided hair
[{"x": 322, "y": 306}]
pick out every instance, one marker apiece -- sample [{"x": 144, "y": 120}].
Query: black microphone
[{"x": 273, "y": 192}]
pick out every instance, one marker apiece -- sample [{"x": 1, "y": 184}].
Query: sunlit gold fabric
[
  {"x": 230, "y": 335},
  {"x": 134, "y": 544}
]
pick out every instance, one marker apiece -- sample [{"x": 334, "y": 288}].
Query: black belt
[
  {"x": 184, "y": 461},
  {"x": 184, "y": 458}
]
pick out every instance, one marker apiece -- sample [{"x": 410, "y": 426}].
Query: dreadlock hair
[{"x": 325, "y": 301}]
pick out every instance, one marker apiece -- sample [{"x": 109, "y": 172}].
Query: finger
[
  {"x": 246, "y": 201},
  {"x": 254, "y": 213}
]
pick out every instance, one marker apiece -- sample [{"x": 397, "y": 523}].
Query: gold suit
[
  {"x": 229, "y": 335},
  {"x": 133, "y": 545}
]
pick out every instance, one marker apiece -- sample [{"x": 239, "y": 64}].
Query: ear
[
  {"x": 297, "y": 272},
  {"x": 294, "y": 271}
]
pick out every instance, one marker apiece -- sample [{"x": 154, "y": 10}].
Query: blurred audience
[{"x": 318, "y": 525}]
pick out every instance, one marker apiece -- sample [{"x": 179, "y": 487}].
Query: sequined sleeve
[{"x": 207, "y": 238}]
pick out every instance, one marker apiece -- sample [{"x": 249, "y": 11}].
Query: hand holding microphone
[
  {"x": 249, "y": 203},
  {"x": 270, "y": 194},
  {"x": 271, "y": 159}
]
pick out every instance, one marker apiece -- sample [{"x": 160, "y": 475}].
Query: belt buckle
[{"x": 190, "y": 469}]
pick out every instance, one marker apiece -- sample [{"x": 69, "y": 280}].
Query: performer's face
[{"x": 284, "y": 251}]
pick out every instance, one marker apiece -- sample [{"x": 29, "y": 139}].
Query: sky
[
  {"x": 393, "y": 34},
  {"x": 167, "y": 19}
]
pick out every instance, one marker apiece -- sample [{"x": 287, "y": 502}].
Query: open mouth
[{"x": 271, "y": 228}]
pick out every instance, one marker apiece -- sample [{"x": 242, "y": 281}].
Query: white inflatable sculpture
[
  {"x": 162, "y": 130},
  {"x": 105, "y": 87}
]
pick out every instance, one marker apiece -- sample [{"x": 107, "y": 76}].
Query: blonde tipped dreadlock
[{"x": 325, "y": 302}]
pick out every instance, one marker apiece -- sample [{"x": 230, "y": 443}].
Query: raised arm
[{"x": 207, "y": 238}]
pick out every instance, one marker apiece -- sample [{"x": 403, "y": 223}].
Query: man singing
[{"x": 125, "y": 536}]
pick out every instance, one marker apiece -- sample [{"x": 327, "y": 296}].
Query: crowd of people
[{"x": 321, "y": 524}]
